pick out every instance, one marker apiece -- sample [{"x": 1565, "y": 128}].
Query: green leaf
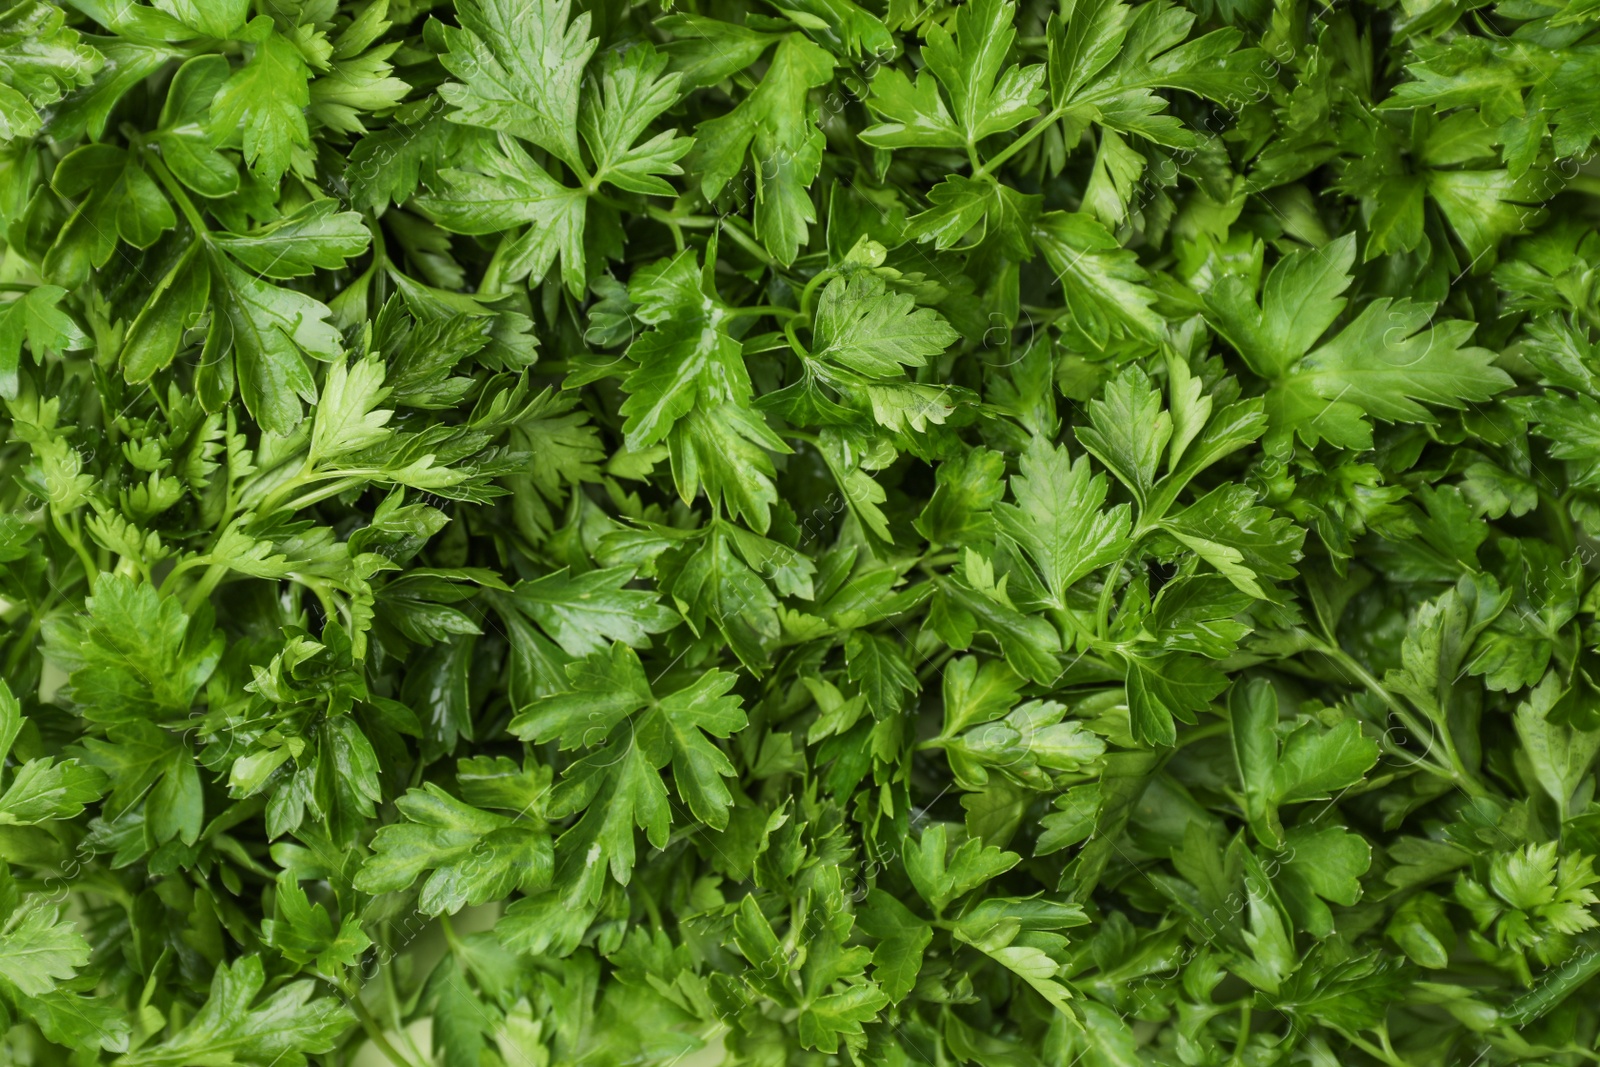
[
  {"x": 136, "y": 656},
  {"x": 234, "y": 1027},
  {"x": 1560, "y": 753},
  {"x": 189, "y": 146},
  {"x": 1102, "y": 284},
  {"x": 689, "y": 358},
  {"x": 318, "y": 236},
  {"x": 777, "y": 125},
  {"x": 1025, "y": 746},
  {"x": 976, "y": 692},
  {"x": 1385, "y": 365},
  {"x": 715, "y": 588},
  {"x": 941, "y": 876},
  {"x": 266, "y": 100},
  {"x": 1030, "y": 644},
  {"x": 43, "y": 789},
  {"x": 863, "y": 326},
  {"x": 273, "y": 330},
  {"x": 605, "y": 687},
  {"x": 1167, "y": 687},
  {"x": 507, "y": 189},
  {"x": 176, "y": 304},
  {"x": 1299, "y": 301},
  {"x": 959, "y": 510},
  {"x": 880, "y": 671},
  {"x": 1438, "y": 637},
  {"x": 1312, "y": 763},
  {"x": 218, "y": 19},
  {"x": 1108, "y": 59},
  {"x": 1246, "y": 543},
  {"x": 35, "y": 318},
  {"x": 584, "y": 614},
  {"x": 902, "y": 939},
  {"x": 698, "y": 766},
  {"x": 1323, "y": 865},
  {"x": 827, "y": 1017},
  {"x": 38, "y": 952},
  {"x": 1317, "y": 763},
  {"x": 475, "y": 856},
  {"x": 1060, "y": 519},
  {"x": 520, "y": 65},
  {"x": 55, "y": 61},
  {"x": 611, "y": 709},
  {"x": 1129, "y": 430},
  {"x": 305, "y": 933},
  {"x": 10, "y": 719},
  {"x": 1035, "y": 966},
  {"x": 985, "y": 96},
  {"x": 634, "y": 91}
]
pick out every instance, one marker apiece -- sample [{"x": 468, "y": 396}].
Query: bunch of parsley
[{"x": 894, "y": 532}]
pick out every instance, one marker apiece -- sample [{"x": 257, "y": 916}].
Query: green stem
[
  {"x": 1354, "y": 666},
  {"x": 759, "y": 310},
  {"x": 1108, "y": 589},
  {"x": 1020, "y": 143},
  {"x": 203, "y": 589},
  {"x": 380, "y": 247},
  {"x": 746, "y": 241},
  {"x": 1456, "y": 771},
  {"x": 1561, "y": 513},
  {"x": 24, "y": 644},
  {"x": 279, "y": 499},
  {"x": 489, "y": 284},
  {"x": 590, "y": 182},
  {"x": 376, "y": 1036},
  {"x": 350, "y": 480},
  {"x": 1244, "y": 1034},
  {"x": 1068, "y": 624},
  {"x": 450, "y": 937},
  {"x": 794, "y": 341},
  {"x": 1588, "y": 315},
  {"x": 810, "y": 290},
  {"x": 678, "y": 243},
  {"x": 1460, "y": 774},
  {"x": 932, "y": 667},
  {"x": 190, "y": 212},
  {"x": 71, "y": 536},
  {"x": 1375, "y": 1052},
  {"x": 687, "y": 222},
  {"x": 1200, "y": 733}
]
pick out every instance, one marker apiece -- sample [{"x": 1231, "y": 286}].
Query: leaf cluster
[{"x": 848, "y": 531}]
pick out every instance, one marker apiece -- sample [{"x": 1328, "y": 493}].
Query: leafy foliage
[{"x": 848, "y": 531}]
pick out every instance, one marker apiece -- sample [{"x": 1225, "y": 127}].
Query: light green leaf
[
  {"x": 37, "y": 951},
  {"x": 317, "y": 236},
  {"x": 475, "y": 856},
  {"x": 273, "y": 330},
  {"x": 520, "y": 65},
  {"x": 777, "y": 125},
  {"x": 1060, "y": 519},
  {"x": 37, "y": 319},
  {"x": 508, "y": 189},
  {"x": 266, "y": 100},
  {"x": 863, "y": 326},
  {"x": 585, "y": 613},
  {"x": 279, "y": 1030}
]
